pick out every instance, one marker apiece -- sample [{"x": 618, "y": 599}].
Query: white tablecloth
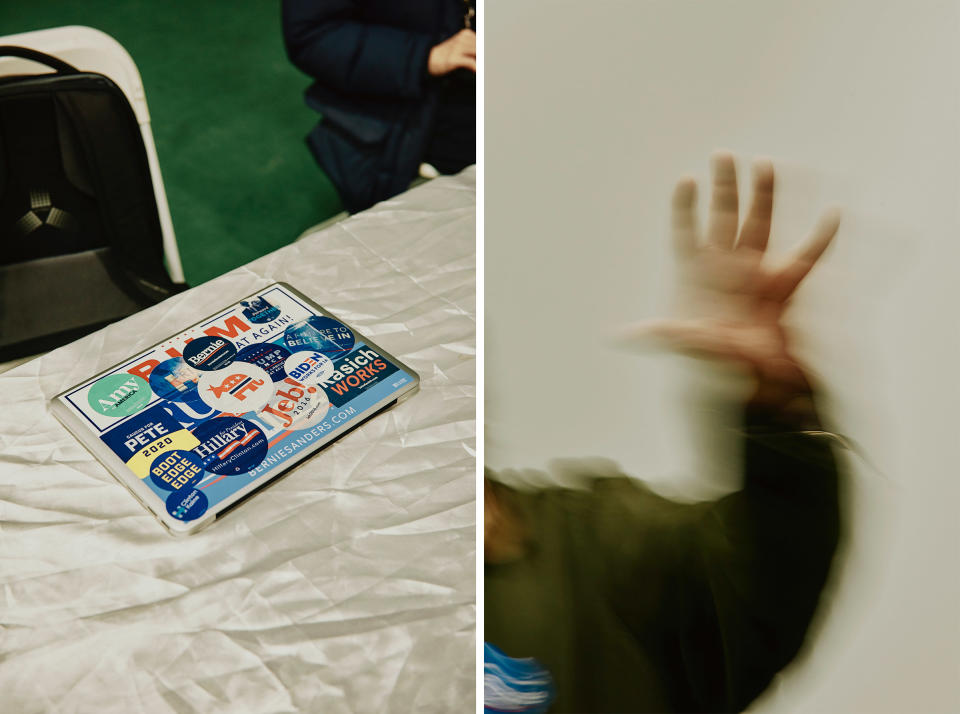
[{"x": 348, "y": 586}]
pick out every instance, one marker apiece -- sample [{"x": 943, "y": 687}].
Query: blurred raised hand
[{"x": 731, "y": 298}]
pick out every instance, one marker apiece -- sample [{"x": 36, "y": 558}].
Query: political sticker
[
  {"x": 309, "y": 367},
  {"x": 188, "y": 415},
  {"x": 321, "y": 333},
  {"x": 269, "y": 356},
  {"x": 209, "y": 353},
  {"x": 242, "y": 387},
  {"x": 119, "y": 395},
  {"x": 296, "y": 406},
  {"x": 258, "y": 310},
  {"x": 187, "y": 506},
  {"x": 176, "y": 470},
  {"x": 175, "y": 380},
  {"x": 230, "y": 445},
  {"x": 141, "y": 439},
  {"x": 356, "y": 372}
]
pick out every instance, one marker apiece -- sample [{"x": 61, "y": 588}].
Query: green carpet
[{"x": 228, "y": 119}]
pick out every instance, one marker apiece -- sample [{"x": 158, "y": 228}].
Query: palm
[{"x": 731, "y": 302}]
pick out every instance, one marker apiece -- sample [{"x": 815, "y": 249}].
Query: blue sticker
[
  {"x": 188, "y": 415},
  {"x": 355, "y": 372},
  {"x": 514, "y": 685},
  {"x": 258, "y": 310},
  {"x": 141, "y": 433},
  {"x": 324, "y": 334},
  {"x": 187, "y": 506},
  {"x": 209, "y": 353},
  {"x": 269, "y": 356},
  {"x": 175, "y": 380},
  {"x": 176, "y": 470},
  {"x": 230, "y": 445}
]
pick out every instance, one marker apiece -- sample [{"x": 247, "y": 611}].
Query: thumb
[{"x": 648, "y": 334}]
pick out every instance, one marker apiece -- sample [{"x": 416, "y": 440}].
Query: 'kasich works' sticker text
[
  {"x": 355, "y": 372},
  {"x": 230, "y": 445}
]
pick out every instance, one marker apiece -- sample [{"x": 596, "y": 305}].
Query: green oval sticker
[{"x": 119, "y": 395}]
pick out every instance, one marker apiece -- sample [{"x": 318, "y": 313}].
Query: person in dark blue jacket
[{"x": 395, "y": 84}]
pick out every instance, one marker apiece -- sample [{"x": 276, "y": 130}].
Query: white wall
[{"x": 592, "y": 110}]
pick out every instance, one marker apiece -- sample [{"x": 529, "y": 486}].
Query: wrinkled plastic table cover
[{"x": 347, "y": 586}]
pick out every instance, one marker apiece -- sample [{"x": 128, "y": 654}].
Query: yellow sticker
[{"x": 140, "y": 462}]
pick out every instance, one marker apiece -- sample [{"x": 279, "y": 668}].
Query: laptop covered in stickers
[{"x": 201, "y": 421}]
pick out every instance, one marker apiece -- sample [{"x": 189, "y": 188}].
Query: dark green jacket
[{"x": 636, "y": 603}]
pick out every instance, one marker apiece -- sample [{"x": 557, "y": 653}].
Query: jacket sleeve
[
  {"x": 721, "y": 593},
  {"x": 327, "y": 40},
  {"x": 755, "y": 563}
]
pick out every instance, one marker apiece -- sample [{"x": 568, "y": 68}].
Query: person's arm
[
  {"x": 757, "y": 560},
  {"x": 325, "y": 40},
  {"x": 741, "y": 577}
]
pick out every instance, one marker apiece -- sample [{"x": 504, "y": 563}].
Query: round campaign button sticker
[
  {"x": 176, "y": 470},
  {"x": 119, "y": 395},
  {"x": 309, "y": 367},
  {"x": 175, "y": 380},
  {"x": 239, "y": 388},
  {"x": 209, "y": 353},
  {"x": 268, "y": 356},
  {"x": 325, "y": 334},
  {"x": 297, "y": 406},
  {"x": 187, "y": 504},
  {"x": 230, "y": 445}
]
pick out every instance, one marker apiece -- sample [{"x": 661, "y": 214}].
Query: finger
[
  {"x": 785, "y": 281},
  {"x": 684, "y": 220},
  {"x": 694, "y": 337},
  {"x": 756, "y": 227},
  {"x": 724, "y": 216},
  {"x": 468, "y": 39},
  {"x": 687, "y": 335},
  {"x": 467, "y": 63}
]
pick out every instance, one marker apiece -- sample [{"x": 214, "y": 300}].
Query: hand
[
  {"x": 731, "y": 303},
  {"x": 457, "y": 52}
]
